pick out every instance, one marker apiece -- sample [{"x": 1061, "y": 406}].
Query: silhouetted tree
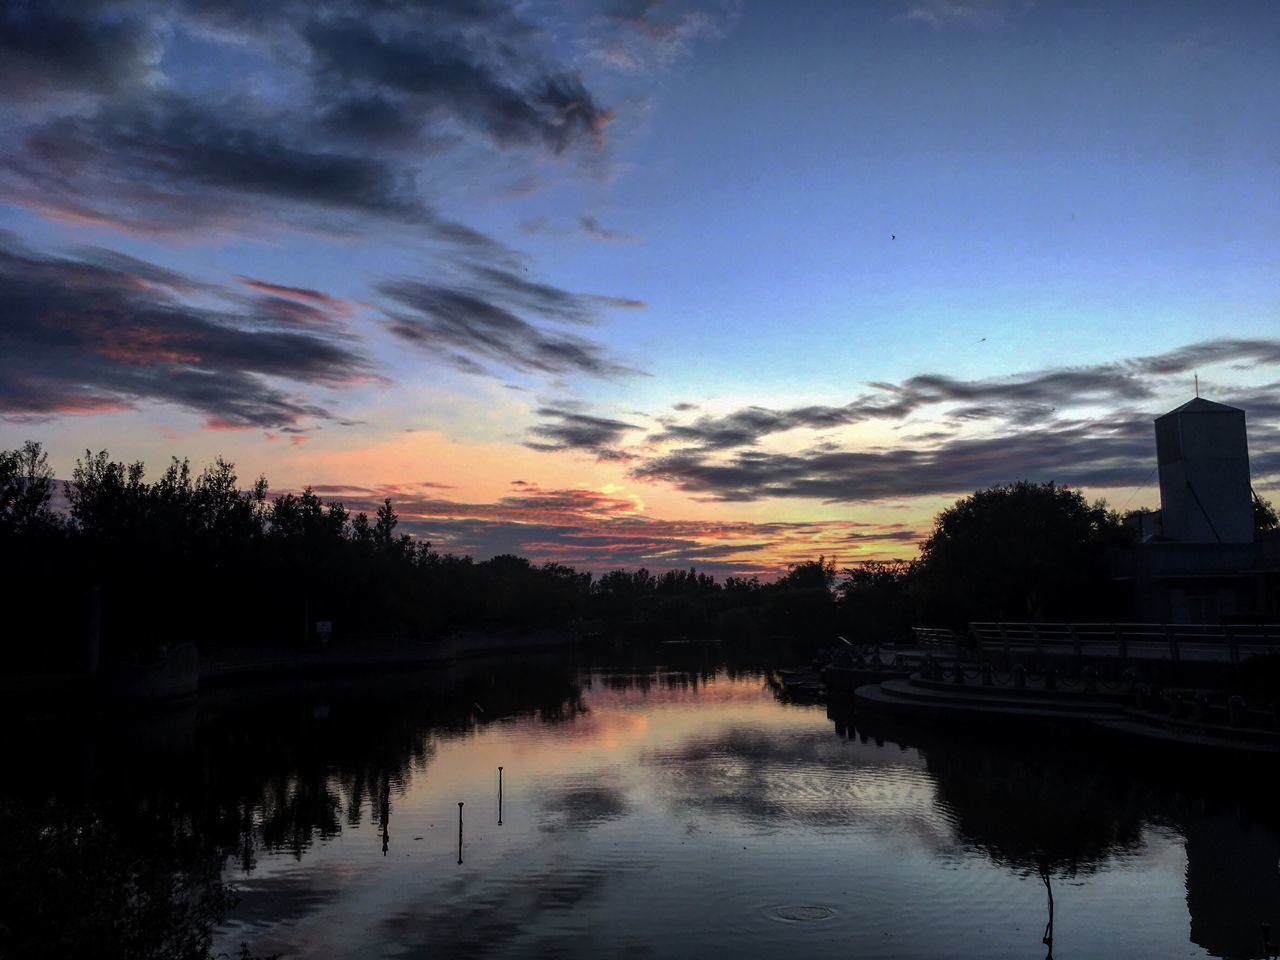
[
  {"x": 1264, "y": 515},
  {"x": 802, "y": 602},
  {"x": 26, "y": 487},
  {"x": 875, "y": 600},
  {"x": 1019, "y": 551}
]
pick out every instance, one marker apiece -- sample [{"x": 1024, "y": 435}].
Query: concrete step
[
  {"x": 898, "y": 696},
  {"x": 902, "y": 698},
  {"x": 1034, "y": 690},
  {"x": 996, "y": 697}
]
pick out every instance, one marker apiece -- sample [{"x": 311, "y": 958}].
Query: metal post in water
[
  {"x": 459, "y": 831},
  {"x": 499, "y": 796},
  {"x": 386, "y": 815}
]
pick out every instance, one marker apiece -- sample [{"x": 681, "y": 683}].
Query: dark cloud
[
  {"x": 1041, "y": 425},
  {"x": 287, "y": 312},
  {"x": 377, "y": 119},
  {"x": 445, "y": 75},
  {"x": 109, "y": 332},
  {"x": 548, "y": 302},
  {"x": 172, "y": 162},
  {"x": 1243, "y": 352},
  {"x": 1096, "y": 454},
  {"x": 332, "y": 118},
  {"x": 749, "y": 425},
  {"x": 47, "y": 46},
  {"x": 597, "y": 231},
  {"x": 567, "y": 430},
  {"x": 299, "y": 294},
  {"x": 1023, "y": 400},
  {"x": 376, "y": 88},
  {"x": 477, "y": 317}
]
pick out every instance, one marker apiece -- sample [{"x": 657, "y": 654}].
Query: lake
[{"x": 662, "y": 805}]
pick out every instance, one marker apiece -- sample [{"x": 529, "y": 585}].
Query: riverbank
[{"x": 183, "y": 673}]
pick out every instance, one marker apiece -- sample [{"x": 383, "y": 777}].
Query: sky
[{"x": 640, "y": 282}]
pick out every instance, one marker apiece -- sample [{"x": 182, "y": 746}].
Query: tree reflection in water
[
  {"x": 1065, "y": 809},
  {"x": 75, "y": 882},
  {"x": 113, "y": 843}
]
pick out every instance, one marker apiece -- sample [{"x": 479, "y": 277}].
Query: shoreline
[{"x": 184, "y": 674}]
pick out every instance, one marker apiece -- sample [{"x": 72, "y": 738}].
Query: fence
[{"x": 1129, "y": 641}]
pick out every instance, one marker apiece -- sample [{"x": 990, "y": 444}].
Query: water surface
[{"x": 667, "y": 809}]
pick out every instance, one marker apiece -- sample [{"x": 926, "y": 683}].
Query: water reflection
[
  {"x": 1065, "y": 810},
  {"x": 1047, "y": 879},
  {"x": 114, "y": 840},
  {"x": 666, "y": 811}
]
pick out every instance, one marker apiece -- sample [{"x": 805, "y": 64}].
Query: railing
[
  {"x": 934, "y": 636},
  {"x": 1130, "y": 641}
]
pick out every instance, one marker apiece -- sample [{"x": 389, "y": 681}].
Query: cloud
[
  {"x": 173, "y": 162},
  {"x": 106, "y": 332},
  {"x": 1024, "y": 399},
  {"x": 587, "y": 227},
  {"x": 440, "y": 74},
  {"x": 598, "y": 531},
  {"x": 548, "y": 302},
  {"x": 476, "y": 317},
  {"x": 1245, "y": 353},
  {"x": 567, "y": 430},
  {"x": 1084, "y": 453},
  {"x": 332, "y": 118},
  {"x": 49, "y": 48},
  {"x": 1087, "y": 426},
  {"x": 965, "y": 13},
  {"x": 597, "y": 231},
  {"x": 635, "y": 35},
  {"x": 297, "y": 294},
  {"x": 343, "y": 109}
]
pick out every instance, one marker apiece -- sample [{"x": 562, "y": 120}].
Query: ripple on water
[{"x": 799, "y": 913}]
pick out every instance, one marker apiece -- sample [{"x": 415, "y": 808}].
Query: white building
[
  {"x": 1197, "y": 560},
  {"x": 1202, "y": 451}
]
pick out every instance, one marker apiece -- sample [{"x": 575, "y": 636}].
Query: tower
[{"x": 1203, "y": 456}]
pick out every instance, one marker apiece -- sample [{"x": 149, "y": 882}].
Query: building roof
[{"x": 1201, "y": 405}]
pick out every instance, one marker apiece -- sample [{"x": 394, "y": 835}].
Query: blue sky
[{"x": 758, "y": 281}]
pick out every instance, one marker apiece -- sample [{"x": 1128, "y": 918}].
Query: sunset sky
[{"x": 641, "y": 283}]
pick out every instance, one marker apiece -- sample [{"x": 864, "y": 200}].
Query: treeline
[{"x": 198, "y": 556}]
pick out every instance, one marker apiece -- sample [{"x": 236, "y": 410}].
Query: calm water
[{"x": 670, "y": 810}]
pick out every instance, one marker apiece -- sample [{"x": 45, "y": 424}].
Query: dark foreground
[{"x": 673, "y": 807}]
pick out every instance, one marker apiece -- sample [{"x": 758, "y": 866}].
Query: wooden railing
[{"x": 1129, "y": 641}]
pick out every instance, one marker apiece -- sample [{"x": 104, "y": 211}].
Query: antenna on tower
[{"x": 1197, "y": 386}]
